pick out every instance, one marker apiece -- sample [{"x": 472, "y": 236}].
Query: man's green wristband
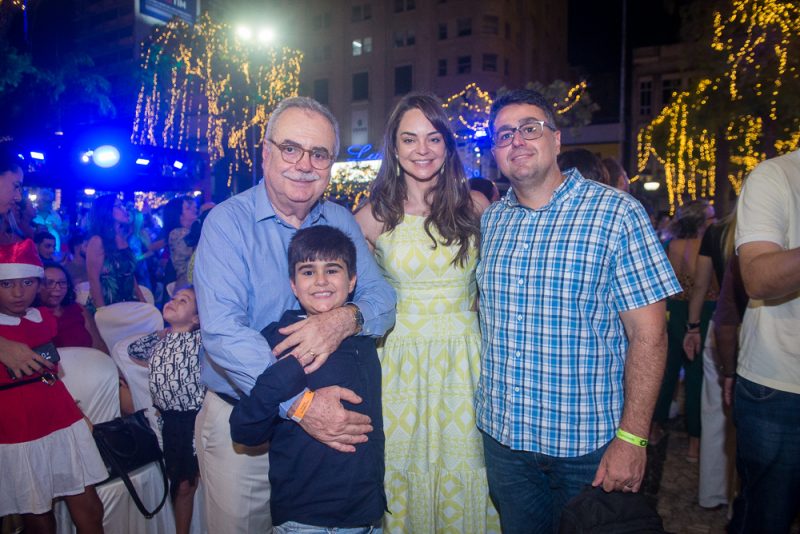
[{"x": 630, "y": 438}]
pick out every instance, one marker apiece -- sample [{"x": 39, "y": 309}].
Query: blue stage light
[
  {"x": 142, "y": 161},
  {"x": 89, "y": 192},
  {"x": 38, "y": 155},
  {"x": 105, "y": 156},
  {"x": 479, "y": 134},
  {"x": 178, "y": 164}
]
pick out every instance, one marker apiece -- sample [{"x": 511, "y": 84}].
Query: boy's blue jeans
[
  {"x": 530, "y": 489},
  {"x": 767, "y": 458},
  {"x": 292, "y": 527}
]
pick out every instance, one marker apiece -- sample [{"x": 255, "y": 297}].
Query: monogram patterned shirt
[{"x": 174, "y": 369}]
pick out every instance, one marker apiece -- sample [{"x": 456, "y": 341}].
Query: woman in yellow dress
[{"x": 423, "y": 224}]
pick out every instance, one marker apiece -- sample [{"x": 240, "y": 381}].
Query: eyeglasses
[
  {"x": 530, "y": 131},
  {"x": 50, "y": 284},
  {"x": 320, "y": 158}
]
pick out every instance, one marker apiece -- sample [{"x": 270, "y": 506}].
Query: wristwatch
[{"x": 359, "y": 318}]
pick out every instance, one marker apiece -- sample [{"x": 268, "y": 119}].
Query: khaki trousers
[{"x": 235, "y": 478}]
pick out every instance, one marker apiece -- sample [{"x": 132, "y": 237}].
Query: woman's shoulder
[{"x": 370, "y": 226}]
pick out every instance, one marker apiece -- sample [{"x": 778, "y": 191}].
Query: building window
[
  {"x": 490, "y": 62},
  {"x": 361, "y": 86},
  {"x": 669, "y": 86},
  {"x": 464, "y": 64},
  {"x": 404, "y": 38},
  {"x": 464, "y": 27},
  {"x": 508, "y": 30},
  {"x": 362, "y": 46},
  {"x": 323, "y": 20},
  {"x": 361, "y": 12},
  {"x": 442, "y": 31},
  {"x": 403, "y": 5},
  {"x": 321, "y": 91},
  {"x": 645, "y": 97},
  {"x": 442, "y": 68},
  {"x": 491, "y": 24},
  {"x": 506, "y": 67},
  {"x": 402, "y": 80}
]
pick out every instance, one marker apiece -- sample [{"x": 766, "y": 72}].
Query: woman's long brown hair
[{"x": 451, "y": 210}]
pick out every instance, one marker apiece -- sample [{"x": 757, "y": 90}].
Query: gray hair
[{"x": 307, "y": 104}]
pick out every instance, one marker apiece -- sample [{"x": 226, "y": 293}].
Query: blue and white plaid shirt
[{"x": 552, "y": 283}]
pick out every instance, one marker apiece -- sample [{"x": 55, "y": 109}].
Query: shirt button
[
  {"x": 516, "y": 389},
  {"x": 519, "y": 317},
  {"x": 518, "y": 354},
  {"x": 525, "y": 246},
  {"x": 521, "y": 281}
]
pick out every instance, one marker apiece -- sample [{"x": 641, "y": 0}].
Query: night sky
[{"x": 594, "y": 28}]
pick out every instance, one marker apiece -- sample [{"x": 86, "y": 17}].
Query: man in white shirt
[{"x": 767, "y": 394}]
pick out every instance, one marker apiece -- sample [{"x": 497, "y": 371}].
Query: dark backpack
[{"x": 596, "y": 511}]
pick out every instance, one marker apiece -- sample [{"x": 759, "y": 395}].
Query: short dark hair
[
  {"x": 320, "y": 243},
  {"x": 76, "y": 239},
  {"x": 38, "y": 237},
  {"x": 587, "y": 163},
  {"x": 522, "y": 96}
]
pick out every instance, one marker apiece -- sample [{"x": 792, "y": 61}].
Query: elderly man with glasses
[
  {"x": 242, "y": 284},
  {"x": 572, "y": 282}
]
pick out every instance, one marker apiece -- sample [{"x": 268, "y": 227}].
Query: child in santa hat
[{"x": 46, "y": 447}]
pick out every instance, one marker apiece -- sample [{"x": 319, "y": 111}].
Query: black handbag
[{"x": 127, "y": 443}]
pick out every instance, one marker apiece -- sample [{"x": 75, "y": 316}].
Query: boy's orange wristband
[{"x": 302, "y": 408}]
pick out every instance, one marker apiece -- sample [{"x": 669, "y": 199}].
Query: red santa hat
[{"x": 20, "y": 260}]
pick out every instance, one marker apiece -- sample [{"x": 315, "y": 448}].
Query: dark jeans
[
  {"x": 767, "y": 458},
  {"x": 530, "y": 489}
]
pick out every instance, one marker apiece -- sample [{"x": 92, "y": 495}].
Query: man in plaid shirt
[{"x": 572, "y": 283}]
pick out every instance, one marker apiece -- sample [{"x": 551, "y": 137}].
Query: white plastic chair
[
  {"x": 147, "y": 294},
  {"x": 91, "y": 378},
  {"x": 125, "y": 319},
  {"x": 135, "y": 375},
  {"x": 82, "y": 292}
]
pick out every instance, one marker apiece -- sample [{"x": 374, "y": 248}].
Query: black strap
[
  {"x": 132, "y": 490},
  {"x": 47, "y": 378}
]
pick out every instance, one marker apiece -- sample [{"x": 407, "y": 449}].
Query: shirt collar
[
  {"x": 572, "y": 180},
  {"x": 32, "y": 314},
  {"x": 264, "y": 209}
]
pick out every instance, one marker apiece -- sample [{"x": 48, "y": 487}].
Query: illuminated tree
[
  {"x": 203, "y": 90},
  {"x": 744, "y": 109}
]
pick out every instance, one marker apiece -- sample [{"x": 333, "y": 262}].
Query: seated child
[
  {"x": 172, "y": 358},
  {"x": 46, "y": 446},
  {"x": 314, "y": 485}
]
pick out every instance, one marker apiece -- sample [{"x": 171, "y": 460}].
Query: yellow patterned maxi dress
[{"x": 435, "y": 474}]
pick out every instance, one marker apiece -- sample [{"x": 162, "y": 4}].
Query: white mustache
[{"x": 299, "y": 176}]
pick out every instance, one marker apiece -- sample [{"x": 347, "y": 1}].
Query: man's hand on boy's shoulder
[
  {"x": 313, "y": 339},
  {"x": 327, "y": 421}
]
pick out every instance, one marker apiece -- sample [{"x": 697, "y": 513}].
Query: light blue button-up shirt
[
  {"x": 241, "y": 278},
  {"x": 553, "y": 282}
]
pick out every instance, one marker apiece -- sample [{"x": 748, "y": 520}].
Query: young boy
[{"x": 313, "y": 485}]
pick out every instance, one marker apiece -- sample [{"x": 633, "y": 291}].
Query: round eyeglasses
[
  {"x": 320, "y": 158},
  {"x": 50, "y": 284},
  {"x": 529, "y": 131}
]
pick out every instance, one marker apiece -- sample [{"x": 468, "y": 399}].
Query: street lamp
[{"x": 255, "y": 38}]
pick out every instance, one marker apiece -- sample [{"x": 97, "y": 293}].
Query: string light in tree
[
  {"x": 754, "y": 40},
  {"x": 203, "y": 90}
]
